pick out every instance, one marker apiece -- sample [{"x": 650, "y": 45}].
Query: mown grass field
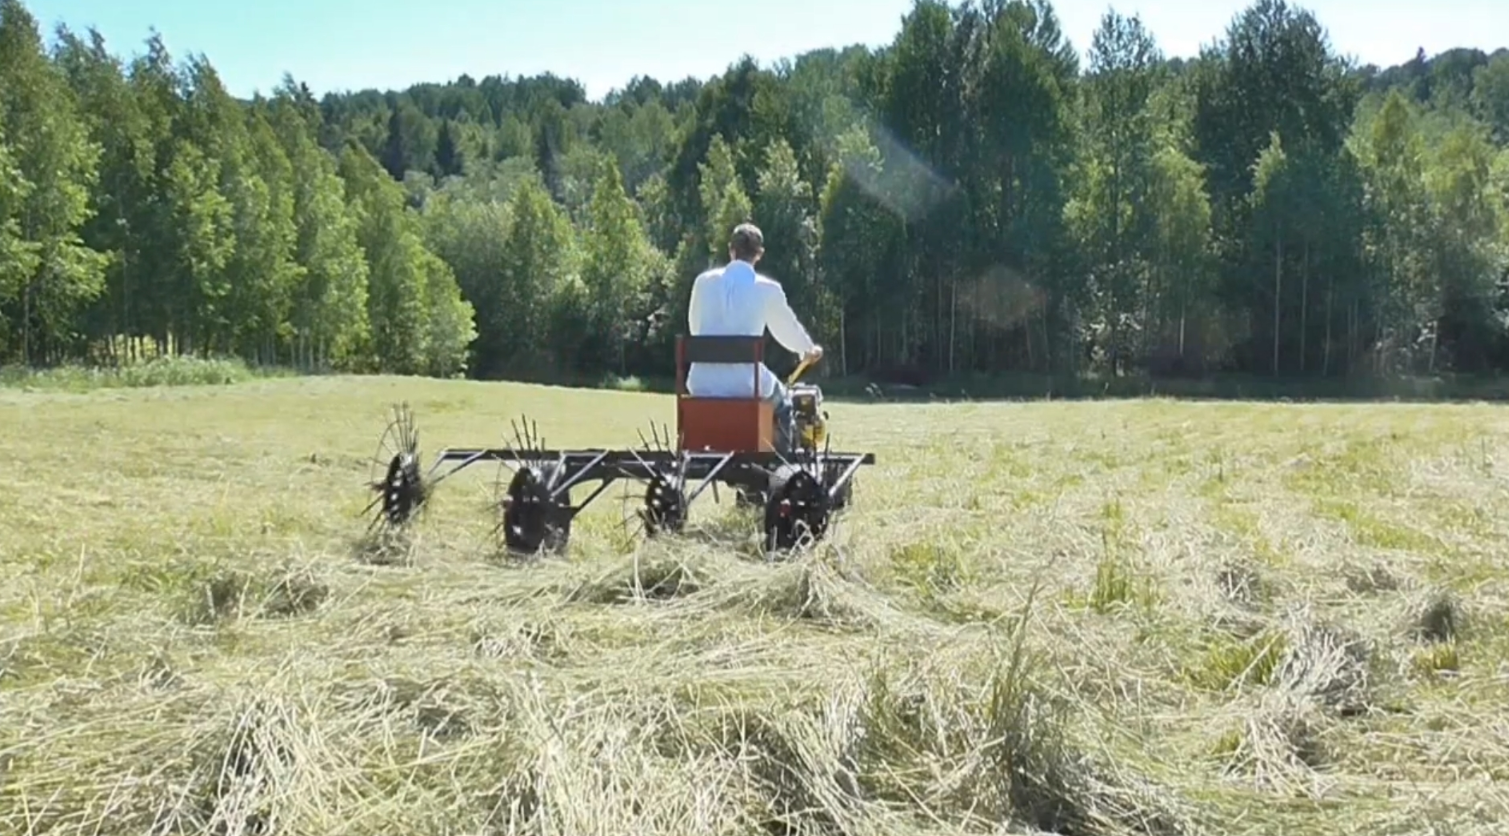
[{"x": 1083, "y": 618}]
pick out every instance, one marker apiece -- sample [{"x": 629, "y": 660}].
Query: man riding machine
[{"x": 734, "y": 300}]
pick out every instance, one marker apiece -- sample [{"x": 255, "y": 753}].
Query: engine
[{"x": 809, "y": 417}]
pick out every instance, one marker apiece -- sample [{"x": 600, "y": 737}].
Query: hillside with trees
[{"x": 971, "y": 199}]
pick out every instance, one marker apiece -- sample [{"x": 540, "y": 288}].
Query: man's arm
[{"x": 782, "y": 321}]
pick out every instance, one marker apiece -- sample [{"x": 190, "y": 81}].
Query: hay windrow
[
  {"x": 385, "y": 548},
  {"x": 1103, "y": 619},
  {"x": 656, "y": 577},
  {"x": 1275, "y": 741},
  {"x": 1329, "y": 664},
  {"x": 1004, "y": 748},
  {"x": 1243, "y": 584},
  {"x": 1369, "y": 577},
  {"x": 1438, "y": 617},
  {"x": 807, "y": 589},
  {"x": 547, "y": 639},
  {"x": 232, "y": 593},
  {"x": 919, "y": 744}
]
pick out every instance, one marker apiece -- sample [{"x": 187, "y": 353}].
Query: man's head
[{"x": 746, "y": 244}]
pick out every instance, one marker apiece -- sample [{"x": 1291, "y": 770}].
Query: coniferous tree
[{"x": 963, "y": 200}]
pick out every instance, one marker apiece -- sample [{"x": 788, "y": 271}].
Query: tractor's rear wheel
[
  {"x": 532, "y": 519},
  {"x": 796, "y": 509},
  {"x": 403, "y": 490},
  {"x": 397, "y": 474},
  {"x": 665, "y": 507}
]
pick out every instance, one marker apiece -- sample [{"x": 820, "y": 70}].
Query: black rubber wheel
[
  {"x": 402, "y": 490},
  {"x": 531, "y": 520},
  {"x": 664, "y": 508},
  {"x": 796, "y": 508}
]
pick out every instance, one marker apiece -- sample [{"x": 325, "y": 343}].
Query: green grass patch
[
  {"x": 158, "y": 371},
  {"x": 1374, "y": 531},
  {"x": 1226, "y": 662}
]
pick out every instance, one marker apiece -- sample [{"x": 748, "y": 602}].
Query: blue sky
[{"x": 351, "y": 44}]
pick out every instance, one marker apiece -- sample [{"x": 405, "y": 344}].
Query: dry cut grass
[{"x": 1085, "y": 619}]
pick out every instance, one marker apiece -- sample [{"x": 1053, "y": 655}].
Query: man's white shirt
[{"x": 734, "y": 300}]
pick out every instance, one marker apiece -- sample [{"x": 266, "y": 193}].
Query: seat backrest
[{"x": 691, "y": 350}]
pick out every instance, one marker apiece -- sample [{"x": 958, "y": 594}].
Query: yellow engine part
[
  {"x": 813, "y": 434},
  {"x": 814, "y": 431}
]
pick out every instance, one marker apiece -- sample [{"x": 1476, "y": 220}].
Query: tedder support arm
[
  {"x": 799, "y": 492},
  {"x": 635, "y": 464}
]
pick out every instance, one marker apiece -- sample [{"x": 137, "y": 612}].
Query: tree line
[{"x": 967, "y": 199}]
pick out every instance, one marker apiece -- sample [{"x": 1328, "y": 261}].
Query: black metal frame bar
[
  {"x": 625, "y": 461},
  {"x": 608, "y": 466},
  {"x": 710, "y": 478},
  {"x": 459, "y": 465},
  {"x": 576, "y": 475}
]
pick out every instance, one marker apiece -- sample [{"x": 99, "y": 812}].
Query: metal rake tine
[
  {"x": 376, "y": 521},
  {"x": 523, "y": 434},
  {"x": 513, "y": 456},
  {"x": 407, "y": 435},
  {"x": 383, "y": 446},
  {"x": 519, "y": 450},
  {"x": 625, "y": 519},
  {"x": 640, "y": 526}
]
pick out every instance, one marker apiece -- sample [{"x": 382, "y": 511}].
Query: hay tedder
[{"x": 717, "y": 440}]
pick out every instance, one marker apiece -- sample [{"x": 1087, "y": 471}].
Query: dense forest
[{"x": 972, "y": 198}]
